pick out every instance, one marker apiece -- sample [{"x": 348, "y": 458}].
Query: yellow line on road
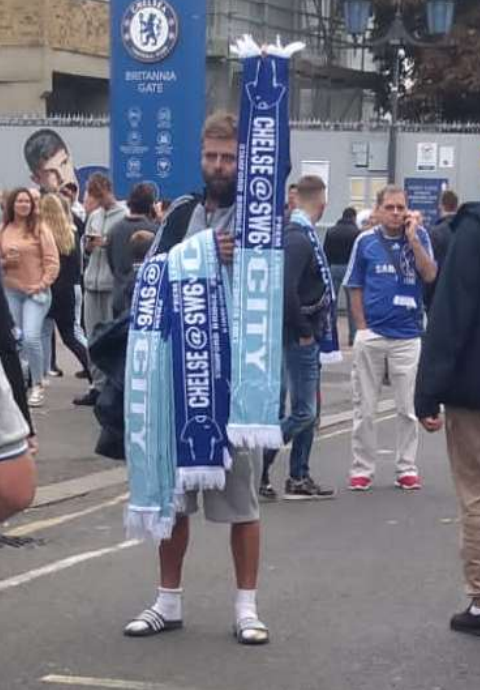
[
  {"x": 39, "y": 525},
  {"x": 105, "y": 683}
]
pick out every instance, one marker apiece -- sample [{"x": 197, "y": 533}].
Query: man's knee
[{"x": 17, "y": 485}]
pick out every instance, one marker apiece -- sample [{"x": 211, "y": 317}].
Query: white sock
[
  {"x": 169, "y": 603},
  {"x": 246, "y": 604},
  {"x": 474, "y": 610}
]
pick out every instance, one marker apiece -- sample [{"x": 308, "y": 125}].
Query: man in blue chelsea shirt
[{"x": 386, "y": 274}]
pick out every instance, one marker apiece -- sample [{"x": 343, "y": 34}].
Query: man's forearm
[
  {"x": 358, "y": 313},
  {"x": 426, "y": 266}
]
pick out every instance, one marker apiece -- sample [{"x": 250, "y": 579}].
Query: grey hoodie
[{"x": 98, "y": 276}]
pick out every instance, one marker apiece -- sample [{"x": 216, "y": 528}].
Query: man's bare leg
[
  {"x": 166, "y": 612},
  {"x": 172, "y": 554},
  {"x": 245, "y": 543}
]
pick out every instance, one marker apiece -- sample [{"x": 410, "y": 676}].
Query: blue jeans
[
  {"x": 29, "y": 313},
  {"x": 338, "y": 274},
  {"x": 301, "y": 375}
]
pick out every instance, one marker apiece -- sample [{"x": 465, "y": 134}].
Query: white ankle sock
[
  {"x": 474, "y": 610},
  {"x": 245, "y": 604},
  {"x": 169, "y": 603}
]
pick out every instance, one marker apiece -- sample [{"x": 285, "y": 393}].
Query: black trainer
[
  {"x": 87, "y": 400},
  {"x": 268, "y": 492},
  {"x": 299, "y": 490},
  {"x": 466, "y": 622},
  {"x": 321, "y": 491}
]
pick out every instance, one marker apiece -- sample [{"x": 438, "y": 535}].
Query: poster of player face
[{"x": 51, "y": 157}]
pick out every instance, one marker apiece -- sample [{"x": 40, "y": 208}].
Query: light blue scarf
[
  {"x": 177, "y": 384},
  {"x": 263, "y": 166},
  {"x": 329, "y": 347}
]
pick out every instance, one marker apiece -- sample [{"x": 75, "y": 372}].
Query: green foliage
[{"x": 437, "y": 82}]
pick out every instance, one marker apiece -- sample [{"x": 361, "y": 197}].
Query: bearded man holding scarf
[{"x": 238, "y": 503}]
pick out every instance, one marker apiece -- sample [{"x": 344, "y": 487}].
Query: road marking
[
  {"x": 58, "y": 566},
  {"x": 106, "y": 683},
  {"x": 349, "y": 430},
  {"x": 39, "y": 525}
]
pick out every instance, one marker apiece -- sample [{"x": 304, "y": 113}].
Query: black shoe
[
  {"x": 87, "y": 400},
  {"x": 466, "y": 622},
  {"x": 299, "y": 490},
  {"x": 268, "y": 492},
  {"x": 320, "y": 490},
  {"x": 55, "y": 372},
  {"x": 81, "y": 374}
]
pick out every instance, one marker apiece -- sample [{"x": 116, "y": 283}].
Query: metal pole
[{"x": 392, "y": 138}]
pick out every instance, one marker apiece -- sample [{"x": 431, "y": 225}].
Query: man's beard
[{"x": 220, "y": 189}]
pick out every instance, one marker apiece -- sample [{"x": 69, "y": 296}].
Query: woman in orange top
[{"x": 30, "y": 264}]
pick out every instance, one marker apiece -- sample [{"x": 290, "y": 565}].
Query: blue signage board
[
  {"x": 423, "y": 195},
  {"x": 157, "y": 94}
]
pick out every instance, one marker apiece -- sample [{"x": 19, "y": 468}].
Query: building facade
[{"x": 54, "y": 56}]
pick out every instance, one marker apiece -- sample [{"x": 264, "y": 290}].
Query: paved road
[{"x": 357, "y": 591}]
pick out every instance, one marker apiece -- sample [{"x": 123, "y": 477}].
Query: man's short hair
[
  {"x": 449, "y": 201},
  {"x": 41, "y": 146},
  {"x": 350, "y": 214},
  {"x": 220, "y": 125},
  {"x": 293, "y": 185},
  {"x": 140, "y": 242},
  {"x": 309, "y": 186},
  {"x": 142, "y": 198},
  {"x": 389, "y": 190},
  {"x": 98, "y": 184}
]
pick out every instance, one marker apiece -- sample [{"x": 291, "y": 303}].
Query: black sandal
[
  {"x": 251, "y": 631},
  {"x": 149, "y": 623}
]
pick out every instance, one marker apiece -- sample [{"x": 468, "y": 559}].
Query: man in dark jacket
[
  {"x": 440, "y": 236},
  {"x": 449, "y": 374},
  {"x": 303, "y": 290},
  {"x": 141, "y": 210},
  {"x": 338, "y": 246}
]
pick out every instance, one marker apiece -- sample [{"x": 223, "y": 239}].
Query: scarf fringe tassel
[
  {"x": 200, "y": 478},
  {"x": 147, "y": 523},
  {"x": 334, "y": 357},
  {"x": 251, "y": 436}
]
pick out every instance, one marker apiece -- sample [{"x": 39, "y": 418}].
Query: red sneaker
[
  {"x": 360, "y": 483},
  {"x": 409, "y": 482}
]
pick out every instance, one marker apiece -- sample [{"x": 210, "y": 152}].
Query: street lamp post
[{"x": 439, "y": 23}]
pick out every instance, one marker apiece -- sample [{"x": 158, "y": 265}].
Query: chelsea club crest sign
[{"x": 150, "y": 30}]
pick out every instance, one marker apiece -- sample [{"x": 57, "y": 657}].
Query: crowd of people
[{"x": 56, "y": 254}]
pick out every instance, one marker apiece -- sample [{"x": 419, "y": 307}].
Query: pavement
[{"x": 357, "y": 591}]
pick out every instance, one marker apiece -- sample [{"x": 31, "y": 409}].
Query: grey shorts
[{"x": 239, "y": 501}]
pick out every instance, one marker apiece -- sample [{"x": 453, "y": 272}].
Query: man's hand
[
  {"x": 432, "y": 424},
  {"x": 305, "y": 342},
  {"x": 32, "y": 445},
  {"x": 413, "y": 220},
  {"x": 226, "y": 246},
  {"x": 94, "y": 241}
]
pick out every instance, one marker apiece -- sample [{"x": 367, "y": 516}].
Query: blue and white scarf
[
  {"x": 176, "y": 385},
  {"x": 257, "y": 312},
  {"x": 329, "y": 347}
]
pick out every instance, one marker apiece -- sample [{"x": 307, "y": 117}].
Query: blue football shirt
[{"x": 393, "y": 304}]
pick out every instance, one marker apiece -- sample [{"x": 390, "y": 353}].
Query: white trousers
[{"x": 370, "y": 353}]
